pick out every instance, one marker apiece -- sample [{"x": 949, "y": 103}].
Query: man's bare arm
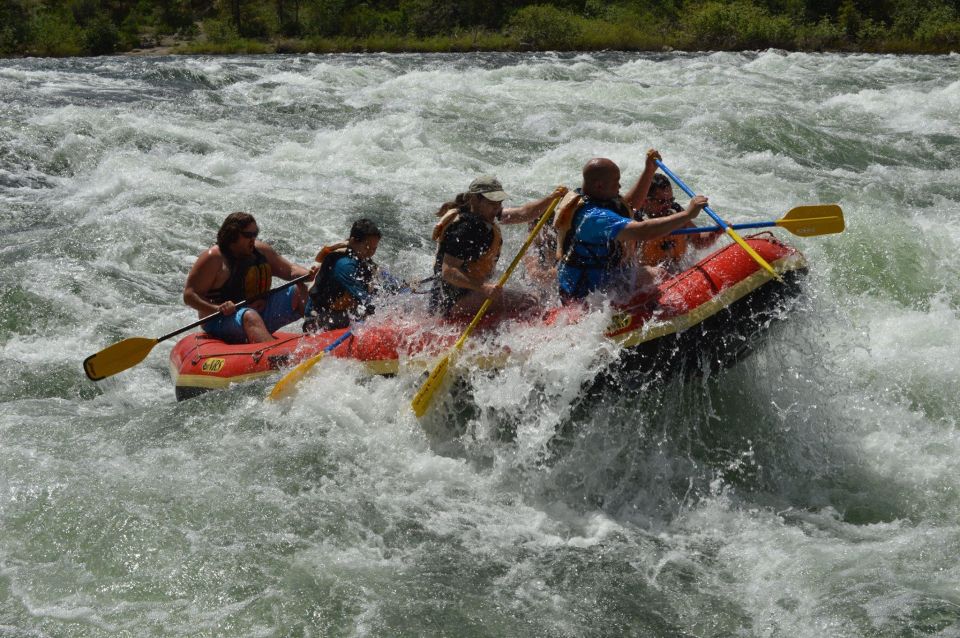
[
  {"x": 452, "y": 272},
  {"x": 281, "y": 267},
  {"x": 200, "y": 281},
  {"x": 638, "y": 192},
  {"x": 660, "y": 226}
]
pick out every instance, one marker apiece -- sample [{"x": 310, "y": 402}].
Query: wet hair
[
  {"x": 659, "y": 182},
  {"x": 363, "y": 228},
  {"x": 230, "y": 230},
  {"x": 461, "y": 202}
]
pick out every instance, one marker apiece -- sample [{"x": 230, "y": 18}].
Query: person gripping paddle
[{"x": 237, "y": 267}]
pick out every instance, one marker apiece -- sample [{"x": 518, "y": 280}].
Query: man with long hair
[{"x": 240, "y": 267}]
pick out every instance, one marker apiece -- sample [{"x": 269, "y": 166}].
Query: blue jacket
[{"x": 591, "y": 260}]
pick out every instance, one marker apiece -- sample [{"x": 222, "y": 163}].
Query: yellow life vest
[
  {"x": 481, "y": 268},
  {"x": 257, "y": 280}
]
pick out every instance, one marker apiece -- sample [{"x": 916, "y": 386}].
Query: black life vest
[
  {"x": 332, "y": 305},
  {"x": 480, "y": 268},
  {"x": 248, "y": 278}
]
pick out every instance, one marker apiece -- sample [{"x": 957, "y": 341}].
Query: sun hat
[{"x": 488, "y": 186}]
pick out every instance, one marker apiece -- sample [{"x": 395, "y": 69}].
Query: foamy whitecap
[{"x": 808, "y": 491}]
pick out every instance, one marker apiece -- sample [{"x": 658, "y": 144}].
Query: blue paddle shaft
[
  {"x": 338, "y": 340},
  {"x": 715, "y": 229},
  {"x": 690, "y": 193},
  {"x": 722, "y": 225}
]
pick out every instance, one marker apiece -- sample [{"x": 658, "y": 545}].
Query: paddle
[
  {"x": 423, "y": 398},
  {"x": 285, "y": 386},
  {"x": 129, "y": 352},
  {"x": 288, "y": 383},
  {"x": 804, "y": 221},
  {"x": 737, "y": 238}
]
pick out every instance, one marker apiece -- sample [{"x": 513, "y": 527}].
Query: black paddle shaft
[{"x": 241, "y": 304}]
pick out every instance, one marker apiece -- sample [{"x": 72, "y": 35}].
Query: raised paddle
[
  {"x": 804, "y": 221},
  {"x": 288, "y": 383},
  {"x": 129, "y": 352},
  {"x": 736, "y": 237},
  {"x": 422, "y": 400}
]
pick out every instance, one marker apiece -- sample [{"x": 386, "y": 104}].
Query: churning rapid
[{"x": 811, "y": 490}]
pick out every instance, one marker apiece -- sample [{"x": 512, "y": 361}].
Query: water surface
[{"x": 810, "y": 491}]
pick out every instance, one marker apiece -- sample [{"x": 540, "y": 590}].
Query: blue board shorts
[{"x": 278, "y": 313}]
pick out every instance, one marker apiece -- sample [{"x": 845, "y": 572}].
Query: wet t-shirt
[{"x": 467, "y": 238}]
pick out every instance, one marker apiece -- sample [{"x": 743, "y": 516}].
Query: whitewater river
[{"x": 812, "y": 490}]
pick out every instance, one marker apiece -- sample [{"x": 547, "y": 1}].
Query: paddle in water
[
  {"x": 129, "y": 352},
  {"x": 723, "y": 225},
  {"x": 286, "y": 386},
  {"x": 424, "y": 397},
  {"x": 803, "y": 221}
]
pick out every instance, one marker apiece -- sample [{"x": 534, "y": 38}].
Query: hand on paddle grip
[
  {"x": 491, "y": 291},
  {"x": 652, "y": 156},
  {"x": 696, "y": 205}
]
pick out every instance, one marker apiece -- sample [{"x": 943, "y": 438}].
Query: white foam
[{"x": 722, "y": 494}]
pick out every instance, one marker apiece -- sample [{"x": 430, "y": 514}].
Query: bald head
[{"x": 601, "y": 178}]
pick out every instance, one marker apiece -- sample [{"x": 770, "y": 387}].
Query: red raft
[{"x": 720, "y": 305}]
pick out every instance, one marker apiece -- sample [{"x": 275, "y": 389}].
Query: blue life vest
[
  {"x": 590, "y": 261},
  {"x": 330, "y": 304}
]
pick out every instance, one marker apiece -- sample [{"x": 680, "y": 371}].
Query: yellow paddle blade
[
  {"x": 808, "y": 221},
  {"x": 118, "y": 357},
  {"x": 288, "y": 383},
  {"x": 750, "y": 251},
  {"x": 423, "y": 398}
]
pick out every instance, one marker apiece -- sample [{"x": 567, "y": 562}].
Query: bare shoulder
[
  {"x": 210, "y": 258},
  {"x": 207, "y": 269},
  {"x": 209, "y": 261},
  {"x": 273, "y": 257},
  {"x": 265, "y": 248}
]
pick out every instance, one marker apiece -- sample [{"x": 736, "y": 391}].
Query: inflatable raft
[{"x": 718, "y": 305}]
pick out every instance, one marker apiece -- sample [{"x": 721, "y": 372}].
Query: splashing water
[{"x": 811, "y": 490}]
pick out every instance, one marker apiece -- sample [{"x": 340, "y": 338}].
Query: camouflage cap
[{"x": 488, "y": 186}]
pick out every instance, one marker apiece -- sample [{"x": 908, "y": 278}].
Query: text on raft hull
[{"x": 719, "y": 306}]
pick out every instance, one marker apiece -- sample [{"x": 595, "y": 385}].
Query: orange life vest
[
  {"x": 326, "y": 250},
  {"x": 669, "y": 249}
]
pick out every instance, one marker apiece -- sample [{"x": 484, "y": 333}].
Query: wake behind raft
[{"x": 721, "y": 305}]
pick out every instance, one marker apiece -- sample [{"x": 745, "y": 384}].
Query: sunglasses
[{"x": 250, "y": 234}]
